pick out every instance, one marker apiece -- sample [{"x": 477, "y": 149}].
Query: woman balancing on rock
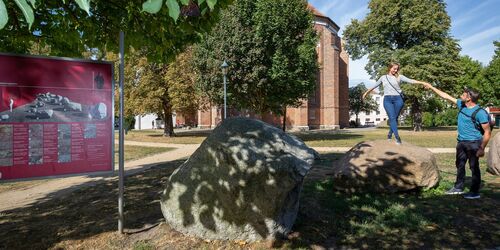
[{"x": 393, "y": 97}]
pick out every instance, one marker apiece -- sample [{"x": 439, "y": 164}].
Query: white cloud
[
  {"x": 466, "y": 16},
  {"x": 356, "y": 14},
  {"x": 483, "y": 53},
  {"x": 480, "y": 37},
  {"x": 357, "y": 72},
  {"x": 325, "y": 9}
]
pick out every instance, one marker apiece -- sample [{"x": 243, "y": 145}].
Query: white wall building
[
  {"x": 375, "y": 117},
  {"x": 146, "y": 121}
]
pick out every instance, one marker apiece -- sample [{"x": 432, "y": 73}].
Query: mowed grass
[
  {"x": 131, "y": 153},
  {"x": 138, "y": 152},
  {"x": 425, "y": 220},
  {"x": 182, "y": 136},
  {"x": 432, "y": 138},
  {"x": 326, "y": 219},
  {"x": 429, "y": 138}
]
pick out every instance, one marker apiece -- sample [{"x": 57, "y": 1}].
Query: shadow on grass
[
  {"x": 186, "y": 133},
  {"x": 408, "y": 128},
  {"x": 425, "y": 220},
  {"x": 318, "y": 135},
  {"x": 88, "y": 210},
  {"x": 326, "y": 218}
]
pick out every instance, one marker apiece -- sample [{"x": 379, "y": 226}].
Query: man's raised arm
[{"x": 440, "y": 93}]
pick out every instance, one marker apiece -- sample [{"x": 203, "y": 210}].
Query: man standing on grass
[{"x": 471, "y": 142}]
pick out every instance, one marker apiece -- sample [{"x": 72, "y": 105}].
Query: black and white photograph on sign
[
  {"x": 6, "y": 145},
  {"x": 50, "y": 107},
  {"x": 90, "y": 131},
  {"x": 35, "y": 144},
  {"x": 64, "y": 143}
]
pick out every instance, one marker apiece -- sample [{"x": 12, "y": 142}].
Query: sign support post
[{"x": 121, "y": 140}]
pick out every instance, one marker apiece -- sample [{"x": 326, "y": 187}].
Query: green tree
[
  {"x": 357, "y": 104},
  {"x": 158, "y": 88},
  {"x": 492, "y": 77},
  {"x": 474, "y": 76},
  {"x": 271, "y": 55},
  {"x": 71, "y": 29},
  {"x": 415, "y": 33}
]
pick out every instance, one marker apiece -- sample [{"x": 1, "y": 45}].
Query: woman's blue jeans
[{"x": 393, "y": 105}]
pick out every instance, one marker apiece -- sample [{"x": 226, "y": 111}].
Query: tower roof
[{"x": 320, "y": 15}]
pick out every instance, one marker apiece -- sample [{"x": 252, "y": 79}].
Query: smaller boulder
[
  {"x": 494, "y": 156},
  {"x": 383, "y": 166}
]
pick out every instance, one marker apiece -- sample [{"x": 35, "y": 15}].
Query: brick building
[{"x": 328, "y": 108}]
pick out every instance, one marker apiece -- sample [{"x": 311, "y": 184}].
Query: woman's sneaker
[
  {"x": 398, "y": 141},
  {"x": 472, "y": 196},
  {"x": 454, "y": 190}
]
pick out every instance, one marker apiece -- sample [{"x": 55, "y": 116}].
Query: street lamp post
[{"x": 224, "y": 72}]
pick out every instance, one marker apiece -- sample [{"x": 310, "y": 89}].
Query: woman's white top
[{"x": 395, "y": 89}]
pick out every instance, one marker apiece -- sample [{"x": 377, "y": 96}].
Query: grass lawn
[
  {"x": 182, "y": 136},
  {"x": 428, "y": 219},
  {"x": 138, "y": 152},
  {"x": 432, "y": 138},
  {"x": 131, "y": 153}
]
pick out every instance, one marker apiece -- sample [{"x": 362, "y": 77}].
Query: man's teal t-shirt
[{"x": 467, "y": 131}]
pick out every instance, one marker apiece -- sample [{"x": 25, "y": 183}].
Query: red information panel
[{"x": 56, "y": 116}]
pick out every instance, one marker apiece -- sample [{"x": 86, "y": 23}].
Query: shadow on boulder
[
  {"x": 243, "y": 183},
  {"x": 381, "y": 166}
]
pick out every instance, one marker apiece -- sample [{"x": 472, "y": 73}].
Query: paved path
[{"x": 60, "y": 186}]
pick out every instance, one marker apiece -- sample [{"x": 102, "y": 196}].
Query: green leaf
[
  {"x": 3, "y": 15},
  {"x": 152, "y": 6},
  {"x": 33, "y": 3},
  {"x": 173, "y": 9},
  {"x": 200, "y": 2},
  {"x": 211, "y": 3},
  {"x": 27, "y": 11},
  {"x": 185, "y": 2},
  {"x": 84, "y": 5}
]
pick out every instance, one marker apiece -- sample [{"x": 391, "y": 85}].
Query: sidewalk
[{"x": 61, "y": 186}]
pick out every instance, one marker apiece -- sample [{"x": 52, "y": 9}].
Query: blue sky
[{"x": 475, "y": 23}]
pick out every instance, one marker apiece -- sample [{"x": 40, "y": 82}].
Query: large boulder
[
  {"x": 383, "y": 166},
  {"x": 494, "y": 156},
  {"x": 242, "y": 183}
]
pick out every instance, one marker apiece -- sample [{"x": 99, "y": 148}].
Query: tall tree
[
  {"x": 415, "y": 33},
  {"x": 473, "y": 76},
  {"x": 157, "y": 88},
  {"x": 357, "y": 104},
  {"x": 492, "y": 76},
  {"x": 270, "y": 47}
]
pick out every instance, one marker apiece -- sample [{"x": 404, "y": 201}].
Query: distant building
[
  {"x": 373, "y": 118},
  {"x": 495, "y": 114}
]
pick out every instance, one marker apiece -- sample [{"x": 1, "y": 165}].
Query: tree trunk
[
  {"x": 168, "y": 130},
  {"x": 417, "y": 116},
  {"x": 284, "y": 119},
  {"x": 356, "y": 122}
]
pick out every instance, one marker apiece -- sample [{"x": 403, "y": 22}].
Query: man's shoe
[
  {"x": 472, "y": 196},
  {"x": 454, "y": 190}
]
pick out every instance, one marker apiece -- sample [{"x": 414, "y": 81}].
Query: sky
[{"x": 475, "y": 23}]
